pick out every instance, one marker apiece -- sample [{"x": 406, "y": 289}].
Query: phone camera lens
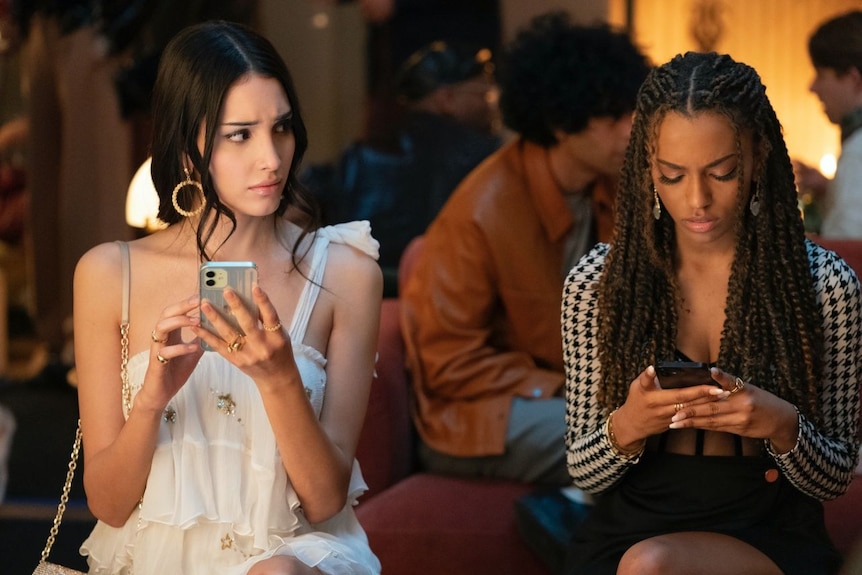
[{"x": 210, "y": 282}]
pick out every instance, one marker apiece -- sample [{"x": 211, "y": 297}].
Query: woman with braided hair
[{"x": 709, "y": 263}]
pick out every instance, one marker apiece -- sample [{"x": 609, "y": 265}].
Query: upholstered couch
[
  {"x": 420, "y": 523},
  {"x": 844, "y": 515}
]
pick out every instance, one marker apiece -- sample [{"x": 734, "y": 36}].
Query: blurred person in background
[
  {"x": 481, "y": 310},
  {"x": 835, "y": 49},
  {"x": 398, "y": 28},
  {"x": 450, "y": 123}
]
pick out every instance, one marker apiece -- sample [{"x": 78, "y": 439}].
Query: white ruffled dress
[{"x": 218, "y": 499}]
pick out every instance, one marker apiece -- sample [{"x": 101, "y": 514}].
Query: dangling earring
[
  {"x": 656, "y": 209},
  {"x": 754, "y": 204},
  {"x": 188, "y": 182}
]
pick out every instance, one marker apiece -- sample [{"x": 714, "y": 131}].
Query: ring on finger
[
  {"x": 677, "y": 407},
  {"x": 162, "y": 360},
  {"x": 738, "y": 385},
  {"x": 236, "y": 344},
  {"x": 157, "y": 339},
  {"x": 272, "y": 328}
]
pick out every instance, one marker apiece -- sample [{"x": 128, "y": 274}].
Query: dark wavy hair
[
  {"x": 837, "y": 43},
  {"x": 556, "y": 76},
  {"x": 772, "y": 333},
  {"x": 198, "y": 67}
]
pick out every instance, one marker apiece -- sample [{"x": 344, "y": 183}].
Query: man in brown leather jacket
[{"x": 481, "y": 308}]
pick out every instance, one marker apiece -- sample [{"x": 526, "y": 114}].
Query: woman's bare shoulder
[
  {"x": 100, "y": 260},
  {"x": 350, "y": 268}
]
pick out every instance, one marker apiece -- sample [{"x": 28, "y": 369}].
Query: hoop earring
[
  {"x": 656, "y": 209},
  {"x": 754, "y": 204},
  {"x": 188, "y": 182}
]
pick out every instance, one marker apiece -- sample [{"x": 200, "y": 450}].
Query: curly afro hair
[{"x": 556, "y": 76}]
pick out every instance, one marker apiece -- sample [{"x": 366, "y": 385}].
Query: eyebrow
[
  {"x": 709, "y": 165},
  {"x": 278, "y": 119}
]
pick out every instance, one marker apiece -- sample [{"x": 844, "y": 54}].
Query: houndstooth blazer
[{"x": 822, "y": 462}]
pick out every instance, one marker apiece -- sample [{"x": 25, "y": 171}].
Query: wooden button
[{"x": 771, "y": 475}]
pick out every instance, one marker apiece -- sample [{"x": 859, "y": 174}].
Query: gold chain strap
[
  {"x": 124, "y": 368},
  {"x": 64, "y": 498},
  {"x": 76, "y": 446}
]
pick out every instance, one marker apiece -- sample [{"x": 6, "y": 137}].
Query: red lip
[{"x": 266, "y": 186}]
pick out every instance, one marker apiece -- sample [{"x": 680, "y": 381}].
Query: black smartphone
[
  {"x": 214, "y": 277},
  {"x": 676, "y": 374}
]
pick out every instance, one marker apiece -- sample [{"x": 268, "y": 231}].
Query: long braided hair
[{"x": 772, "y": 335}]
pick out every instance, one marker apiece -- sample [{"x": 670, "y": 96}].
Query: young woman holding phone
[
  {"x": 238, "y": 460},
  {"x": 709, "y": 263}
]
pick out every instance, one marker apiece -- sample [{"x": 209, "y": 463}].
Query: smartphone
[
  {"x": 676, "y": 374},
  {"x": 214, "y": 277}
]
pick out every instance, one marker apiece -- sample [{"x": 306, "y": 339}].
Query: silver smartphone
[{"x": 214, "y": 277}]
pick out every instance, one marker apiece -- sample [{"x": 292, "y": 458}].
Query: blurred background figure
[
  {"x": 449, "y": 123},
  {"x": 481, "y": 311},
  {"x": 835, "y": 49},
  {"x": 398, "y": 28}
]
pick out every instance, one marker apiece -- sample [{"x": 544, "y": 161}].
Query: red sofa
[
  {"x": 844, "y": 515},
  {"x": 419, "y": 523}
]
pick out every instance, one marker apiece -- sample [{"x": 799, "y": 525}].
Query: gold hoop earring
[
  {"x": 188, "y": 182},
  {"x": 754, "y": 204},
  {"x": 656, "y": 209}
]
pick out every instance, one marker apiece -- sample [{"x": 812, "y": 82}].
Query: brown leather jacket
[{"x": 481, "y": 308}]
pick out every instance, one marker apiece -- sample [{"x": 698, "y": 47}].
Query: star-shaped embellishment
[
  {"x": 226, "y": 542},
  {"x": 226, "y": 404}
]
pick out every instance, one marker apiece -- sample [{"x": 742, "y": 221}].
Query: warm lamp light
[
  {"x": 142, "y": 201},
  {"x": 828, "y": 165}
]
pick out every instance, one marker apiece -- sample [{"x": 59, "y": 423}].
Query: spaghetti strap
[
  {"x": 308, "y": 298},
  {"x": 355, "y": 234},
  {"x": 127, "y": 276}
]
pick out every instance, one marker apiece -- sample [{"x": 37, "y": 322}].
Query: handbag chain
[
  {"x": 76, "y": 446},
  {"x": 64, "y": 497}
]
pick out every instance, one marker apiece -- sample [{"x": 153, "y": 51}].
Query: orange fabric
[{"x": 481, "y": 304}]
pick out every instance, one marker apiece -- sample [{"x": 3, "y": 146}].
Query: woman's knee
[
  {"x": 282, "y": 565},
  {"x": 648, "y": 557}
]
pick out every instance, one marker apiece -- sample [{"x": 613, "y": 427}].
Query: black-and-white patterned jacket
[{"x": 822, "y": 462}]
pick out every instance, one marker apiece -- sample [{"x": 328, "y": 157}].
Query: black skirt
[{"x": 744, "y": 497}]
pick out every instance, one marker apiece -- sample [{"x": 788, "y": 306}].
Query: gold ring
[
  {"x": 236, "y": 344},
  {"x": 272, "y": 328},
  {"x": 161, "y": 359},
  {"x": 156, "y": 338},
  {"x": 677, "y": 407},
  {"x": 738, "y": 385}
]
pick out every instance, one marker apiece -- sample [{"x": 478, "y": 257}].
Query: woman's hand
[
  {"x": 263, "y": 351},
  {"x": 745, "y": 410},
  {"x": 172, "y": 360},
  {"x": 649, "y": 409}
]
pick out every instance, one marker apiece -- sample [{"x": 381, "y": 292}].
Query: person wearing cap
[
  {"x": 449, "y": 125},
  {"x": 451, "y": 80},
  {"x": 481, "y": 310}
]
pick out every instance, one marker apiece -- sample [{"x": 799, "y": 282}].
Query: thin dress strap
[
  {"x": 312, "y": 288},
  {"x": 124, "y": 251},
  {"x": 124, "y": 329}
]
